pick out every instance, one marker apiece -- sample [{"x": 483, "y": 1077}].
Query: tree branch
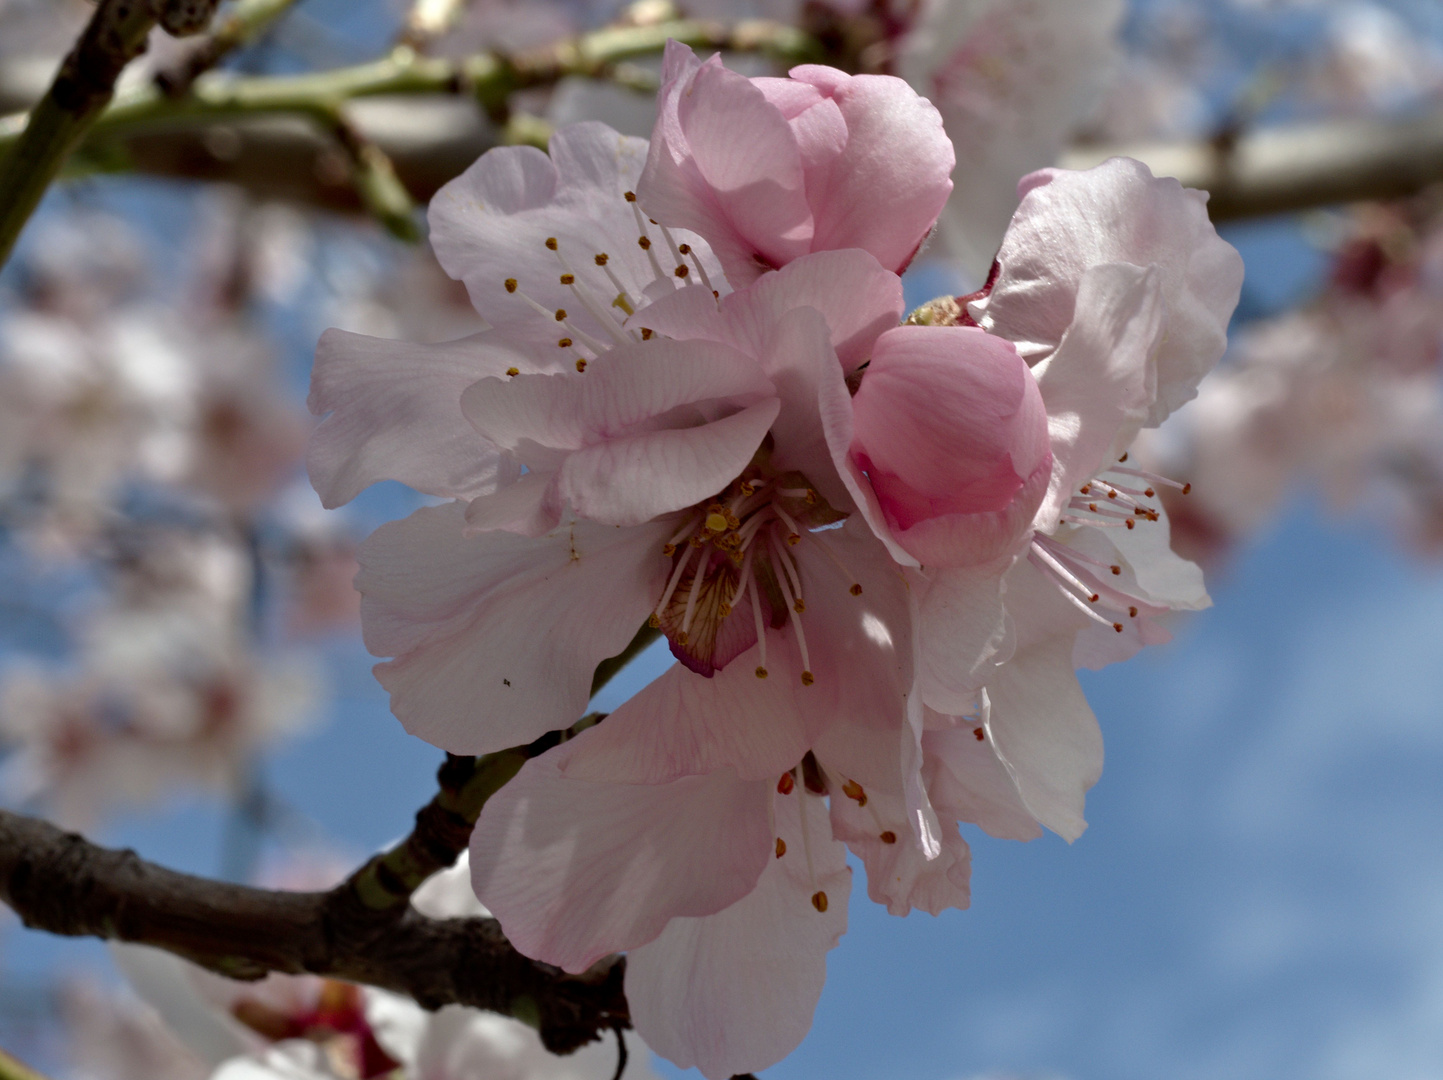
[
  {"x": 82, "y": 88},
  {"x": 364, "y": 930}
]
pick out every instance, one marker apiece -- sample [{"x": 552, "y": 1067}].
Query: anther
[
  {"x": 1117, "y": 626},
  {"x": 568, "y": 279},
  {"x": 511, "y": 284},
  {"x": 786, "y": 784},
  {"x": 1186, "y": 488},
  {"x": 601, "y": 259},
  {"x": 1132, "y": 612},
  {"x": 513, "y": 371},
  {"x": 630, "y": 196},
  {"x": 1116, "y": 570},
  {"x": 651, "y": 620},
  {"x": 581, "y": 363},
  {"x": 979, "y": 734},
  {"x": 551, "y": 243},
  {"x": 564, "y": 343},
  {"x": 716, "y": 521},
  {"x": 646, "y": 333},
  {"x": 819, "y": 900},
  {"x": 799, "y": 605},
  {"x": 761, "y": 673},
  {"x": 644, "y": 242},
  {"x": 856, "y": 590},
  {"x": 888, "y": 837},
  {"x": 781, "y": 847},
  {"x": 1123, "y": 458},
  {"x": 808, "y": 678},
  {"x": 853, "y": 790},
  {"x": 1129, "y": 522},
  {"x": 561, "y": 314},
  {"x": 681, "y": 271}
]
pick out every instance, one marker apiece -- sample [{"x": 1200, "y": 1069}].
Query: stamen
[
  {"x": 1073, "y": 519},
  {"x": 1150, "y": 477},
  {"x": 691, "y": 596},
  {"x": 624, "y": 299},
  {"x": 675, "y": 578},
  {"x": 791, "y": 573},
  {"x": 644, "y": 240},
  {"x": 787, "y": 782},
  {"x": 781, "y": 847},
  {"x": 761, "y": 637},
  {"x": 513, "y": 371},
  {"x": 795, "y": 536},
  {"x": 681, "y": 534},
  {"x": 853, "y": 790},
  {"x": 889, "y": 837},
  {"x": 820, "y": 905},
  {"x": 559, "y": 315},
  {"x": 681, "y": 270},
  {"x": 807, "y": 677},
  {"x": 686, "y": 249},
  {"x": 1062, "y": 571}
]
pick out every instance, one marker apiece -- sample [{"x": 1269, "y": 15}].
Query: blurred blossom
[{"x": 114, "y": 1036}]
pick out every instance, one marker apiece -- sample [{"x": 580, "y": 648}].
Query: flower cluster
[{"x": 878, "y": 551}]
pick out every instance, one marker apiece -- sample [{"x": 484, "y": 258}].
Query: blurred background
[{"x": 1260, "y": 891}]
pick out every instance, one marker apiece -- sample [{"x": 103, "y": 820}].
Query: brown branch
[
  {"x": 362, "y": 931},
  {"x": 79, "y": 93}
]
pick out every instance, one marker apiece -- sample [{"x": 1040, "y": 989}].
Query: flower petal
[
  {"x": 735, "y": 992},
  {"x": 1045, "y": 734},
  {"x": 967, "y": 782},
  {"x": 963, "y": 634},
  {"x": 395, "y": 414},
  {"x": 1117, "y": 212},
  {"x": 577, "y": 869},
  {"x": 1100, "y": 382},
  {"x": 496, "y": 636}
]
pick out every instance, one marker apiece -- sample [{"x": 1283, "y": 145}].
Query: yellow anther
[
  {"x": 853, "y": 790},
  {"x": 551, "y": 243},
  {"x": 747, "y": 488},
  {"x": 819, "y": 900},
  {"x": 602, "y": 258},
  {"x": 793, "y": 539},
  {"x": 564, "y": 343},
  {"x": 653, "y": 622},
  {"x": 511, "y": 284},
  {"x": 724, "y": 609},
  {"x": 646, "y": 333},
  {"x": 799, "y": 605},
  {"x": 630, "y": 196},
  {"x": 568, "y": 279},
  {"x": 685, "y": 249},
  {"x": 644, "y": 242},
  {"x": 668, "y": 549},
  {"x": 581, "y": 364},
  {"x": 681, "y": 638},
  {"x": 622, "y": 302},
  {"x": 716, "y": 522},
  {"x": 761, "y": 673},
  {"x": 808, "y": 678},
  {"x": 513, "y": 371},
  {"x": 781, "y": 847},
  {"x": 561, "y": 314},
  {"x": 682, "y": 271}
]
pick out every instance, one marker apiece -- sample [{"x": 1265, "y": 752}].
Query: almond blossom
[
  {"x": 771, "y": 169},
  {"x": 1115, "y": 291}
]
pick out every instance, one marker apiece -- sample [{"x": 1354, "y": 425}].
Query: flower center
[{"x": 737, "y": 554}]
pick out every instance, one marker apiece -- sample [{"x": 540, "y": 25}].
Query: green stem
[{"x": 14, "y": 1069}]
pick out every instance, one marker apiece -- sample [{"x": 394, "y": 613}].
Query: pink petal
[
  {"x": 735, "y": 992},
  {"x": 685, "y": 724},
  {"x": 395, "y": 414},
  {"x": 1045, "y": 734},
  {"x": 496, "y": 636},
  {"x": 950, "y": 429},
  {"x": 646, "y": 430},
  {"x": 884, "y": 190},
  {"x": 576, "y": 870},
  {"x": 898, "y": 874},
  {"x": 724, "y": 163},
  {"x": 857, "y": 297},
  {"x": 967, "y": 782},
  {"x": 491, "y": 224},
  {"x": 1118, "y": 212},
  {"x": 1100, "y": 383},
  {"x": 962, "y": 635}
]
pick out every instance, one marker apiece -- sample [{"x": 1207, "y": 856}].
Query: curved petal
[
  {"x": 577, "y": 869},
  {"x": 735, "y": 992},
  {"x": 395, "y": 414},
  {"x": 496, "y": 636},
  {"x": 1045, "y": 734},
  {"x": 967, "y": 782},
  {"x": 1117, "y": 212},
  {"x": 899, "y": 875},
  {"x": 725, "y": 163},
  {"x": 492, "y": 223},
  {"x": 685, "y": 724},
  {"x": 1100, "y": 382},
  {"x": 884, "y": 190},
  {"x": 962, "y": 635}
]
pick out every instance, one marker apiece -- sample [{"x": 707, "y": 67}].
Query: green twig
[
  {"x": 14, "y": 1069},
  {"x": 246, "y": 21}
]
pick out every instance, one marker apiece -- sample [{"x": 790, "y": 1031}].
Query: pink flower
[{"x": 771, "y": 169}]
